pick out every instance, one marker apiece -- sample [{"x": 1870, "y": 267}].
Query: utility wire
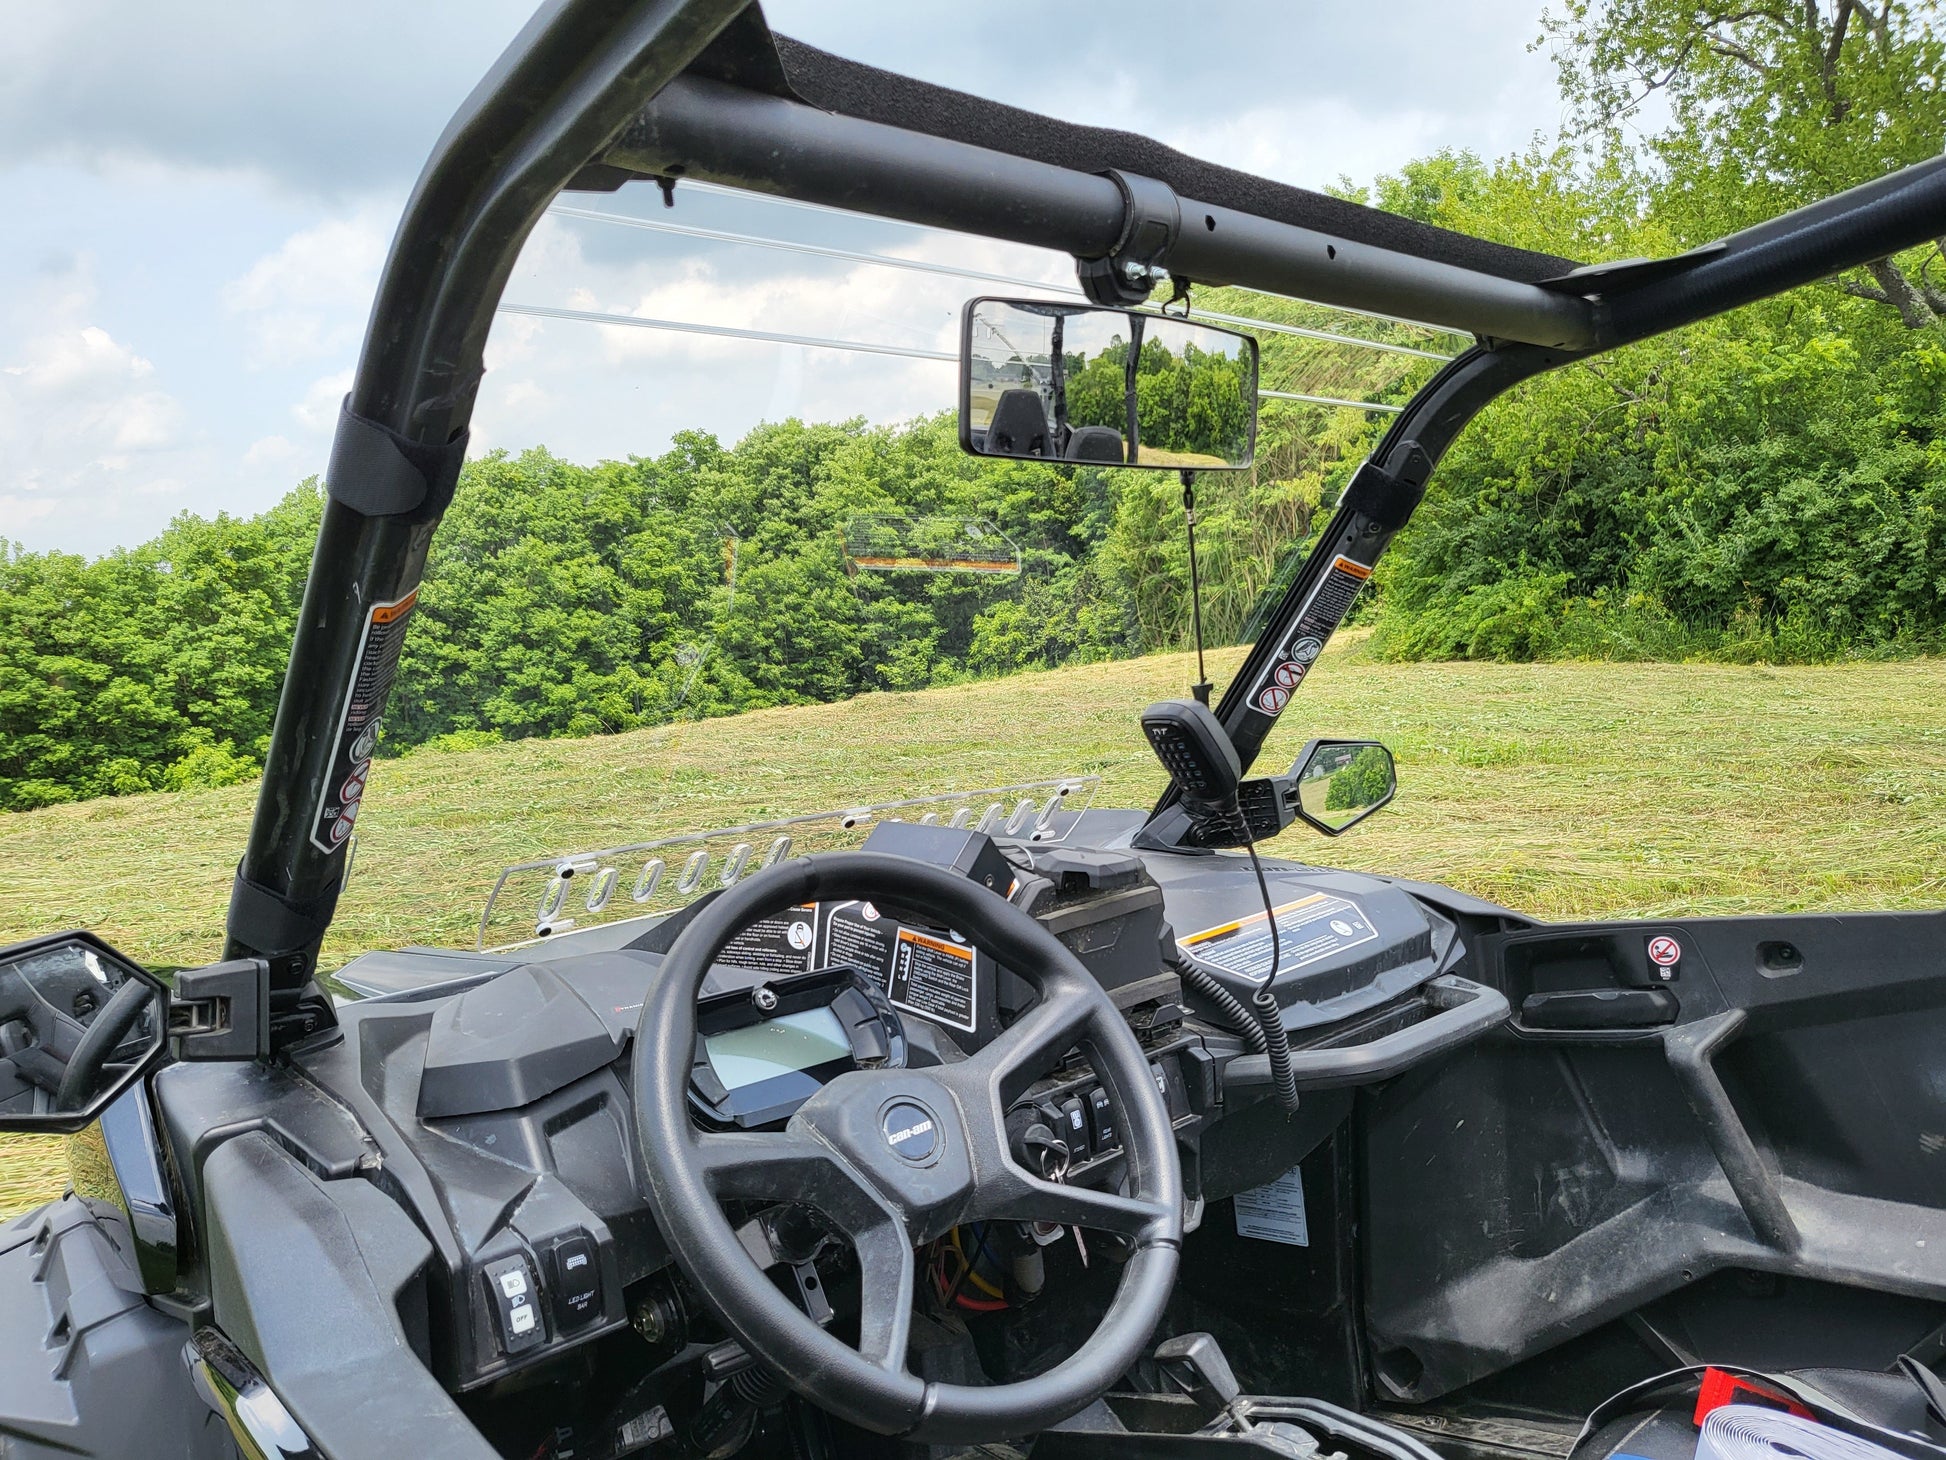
[
  {"x": 816, "y": 342},
  {"x": 822, "y": 342}
]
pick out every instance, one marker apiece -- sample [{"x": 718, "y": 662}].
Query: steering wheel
[{"x": 896, "y": 1158}]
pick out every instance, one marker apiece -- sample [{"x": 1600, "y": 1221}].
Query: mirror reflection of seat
[
  {"x": 1112, "y": 387},
  {"x": 1018, "y": 426}
]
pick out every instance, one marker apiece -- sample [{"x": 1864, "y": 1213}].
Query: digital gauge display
[
  {"x": 762, "y": 1051},
  {"x": 788, "y": 1044}
]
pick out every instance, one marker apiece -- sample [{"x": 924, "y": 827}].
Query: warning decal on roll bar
[
  {"x": 1317, "y": 621},
  {"x": 357, "y": 737},
  {"x": 1309, "y": 930}
]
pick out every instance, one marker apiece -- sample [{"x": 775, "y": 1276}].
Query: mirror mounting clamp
[
  {"x": 222, "y": 1012},
  {"x": 1151, "y": 220}
]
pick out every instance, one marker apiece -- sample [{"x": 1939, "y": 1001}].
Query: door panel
[{"x": 1791, "y": 1120}]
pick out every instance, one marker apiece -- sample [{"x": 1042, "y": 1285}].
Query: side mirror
[
  {"x": 1069, "y": 382},
  {"x": 79, "y": 1024},
  {"x": 1341, "y": 782}
]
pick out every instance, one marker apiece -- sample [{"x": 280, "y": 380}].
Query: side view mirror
[
  {"x": 79, "y": 1024},
  {"x": 1341, "y": 782},
  {"x": 1069, "y": 382}
]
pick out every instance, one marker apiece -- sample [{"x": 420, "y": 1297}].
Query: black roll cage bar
[{"x": 592, "y": 93}]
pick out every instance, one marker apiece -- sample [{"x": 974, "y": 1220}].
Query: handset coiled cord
[{"x": 1264, "y": 1011}]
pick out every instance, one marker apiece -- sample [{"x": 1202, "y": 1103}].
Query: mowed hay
[{"x": 1563, "y": 790}]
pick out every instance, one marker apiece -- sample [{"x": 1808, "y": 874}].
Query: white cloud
[
  {"x": 270, "y": 451},
  {"x": 312, "y": 295},
  {"x": 80, "y": 414},
  {"x": 318, "y": 411}
]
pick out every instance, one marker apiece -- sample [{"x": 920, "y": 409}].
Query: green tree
[{"x": 1769, "y": 106}]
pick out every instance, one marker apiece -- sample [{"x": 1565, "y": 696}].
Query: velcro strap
[
  {"x": 376, "y": 471},
  {"x": 1386, "y": 498},
  {"x": 272, "y": 924}
]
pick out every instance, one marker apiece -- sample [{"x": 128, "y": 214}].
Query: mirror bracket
[
  {"x": 222, "y": 1012},
  {"x": 1151, "y": 220}
]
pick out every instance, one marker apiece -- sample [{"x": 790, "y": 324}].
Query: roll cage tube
[
  {"x": 726, "y": 134},
  {"x": 586, "y": 85},
  {"x": 1852, "y": 228},
  {"x": 566, "y": 87}
]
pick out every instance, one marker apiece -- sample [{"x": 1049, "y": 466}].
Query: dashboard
[{"x": 493, "y": 1092}]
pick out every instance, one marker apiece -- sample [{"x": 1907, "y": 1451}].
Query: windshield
[
  {"x": 825, "y": 542},
  {"x": 847, "y": 546}
]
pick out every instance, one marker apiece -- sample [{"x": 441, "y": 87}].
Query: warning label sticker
[
  {"x": 357, "y": 738},
  {"x": 1309, "y": 930},
  {"x": 934, "y": 978},
  {"x": 922, "y": 973},
  {"x": 1317, "y": 619},
  {"x": 1275, "y": 1213},
  {"x": 779, "y": 946}
]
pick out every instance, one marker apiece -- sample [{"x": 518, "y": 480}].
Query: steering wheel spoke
[
  {"x": 789, "y": 1166},
  {"x": 1031, "y": 1046},
  {"x": 885, "y": 1284}
]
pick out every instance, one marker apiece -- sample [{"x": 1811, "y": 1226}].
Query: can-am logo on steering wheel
[{"x": 910, "y": 1131}]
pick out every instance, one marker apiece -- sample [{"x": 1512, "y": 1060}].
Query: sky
[{"x": 198, "y": 199}]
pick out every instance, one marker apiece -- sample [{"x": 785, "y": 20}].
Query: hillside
[{"x": 1562, "y": 789}]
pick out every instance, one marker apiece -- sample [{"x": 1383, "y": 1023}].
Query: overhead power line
[
  {"x": 752, "y": 240},
  {"x": 823, "y": 342}
]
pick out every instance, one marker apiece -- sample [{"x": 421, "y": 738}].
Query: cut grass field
[{"x": 1564, "y": 790}]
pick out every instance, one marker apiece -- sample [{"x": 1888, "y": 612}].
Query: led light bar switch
[
  {"x": 1101, "y": 1116},
  {"x": 1073, "y": 1126},
  {"x": 516, "y": 1298},
  {"x": 577, "y": 1281}
]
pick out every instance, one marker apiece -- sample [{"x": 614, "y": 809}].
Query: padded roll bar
[{"x": 726, "y": 134}]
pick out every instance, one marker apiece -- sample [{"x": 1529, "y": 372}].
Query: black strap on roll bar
[
  {"x": 1388, "y": 498},
  {"x": 275, "y": 925},
  {"x": 1152, "y": 218},
  {"x": 379, "y": 473}
]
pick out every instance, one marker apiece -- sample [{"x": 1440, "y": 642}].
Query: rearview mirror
[
  {"x": 79, "y": 1024},
  {"x": 1108, "y": 387},
  {"x": 1341, "y": 782}
]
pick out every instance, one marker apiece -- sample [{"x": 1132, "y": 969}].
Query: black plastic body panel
[
  {"x": 1547, "y": 1181},
  {"x": 322, "y": 1286},
  {"x": 87, "y": 1368}
]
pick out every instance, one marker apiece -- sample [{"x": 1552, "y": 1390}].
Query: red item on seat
[{"x": 1720, "y": 1388}]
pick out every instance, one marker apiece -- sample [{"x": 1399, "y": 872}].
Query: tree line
[
  {"x": 1770, "y": 485},
  {"x": 567, "y": 600}
]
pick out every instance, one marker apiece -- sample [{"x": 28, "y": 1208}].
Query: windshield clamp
[
  {"x": 221, "y": 1012},
  {"x": 1151, "y": 219}
]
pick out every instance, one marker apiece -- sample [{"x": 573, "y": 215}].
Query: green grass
[{"x": 1565, "y": 790}]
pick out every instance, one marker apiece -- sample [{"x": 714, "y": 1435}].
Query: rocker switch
[
  {"x": 577, "y": 1281},
  {"x": 1073, "y": 1126},
  {"x": 1101, "y": 1117},
  {"x": 516, "y": 1297}
]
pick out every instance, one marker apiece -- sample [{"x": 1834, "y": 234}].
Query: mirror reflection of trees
[
  {"x": 1365, "y": 780},
  {"x": 1193, "y": 404}
]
